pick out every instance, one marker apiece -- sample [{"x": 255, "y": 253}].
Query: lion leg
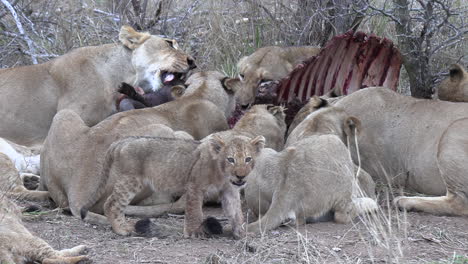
[
  {"x": 41, "y": 251},
  {"x": 21, "y": 193},
  {"x": 73, "y": 252},
  {"x": 193, "y": 212},
  {"x": 232, "y": 209},
  {"x": 280, "y": 209},
  {"x": 451, "y": 204},
  {"x": 124, "y": 191},
  {"x": 157, "y": 210}
]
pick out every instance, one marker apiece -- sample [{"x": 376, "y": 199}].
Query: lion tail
[{"x": 100, "y": 187}]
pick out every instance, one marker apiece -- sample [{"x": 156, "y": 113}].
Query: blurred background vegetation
[{"x": 431, "y": 34}]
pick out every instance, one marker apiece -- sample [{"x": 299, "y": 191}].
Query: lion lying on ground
[
  {"x": 417, "y": 144},
  {"x": 268, "y": 64},
  {"x": 312, "y": 176},
  {"x": 455, "y": 88},
  {"x": 12, "y": 184},
  {"x": 178, "y": 166},
  {"x": 73, "y": 152},
  {"x": 85, "y": 81},
  {"x": 265, "y": 120},
  {"x": 18, "y": 245}
]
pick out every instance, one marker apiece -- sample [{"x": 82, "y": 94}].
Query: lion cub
[
  {"x": 312, "y": 176},
  {"x": 18, "y": 245},
  {"x": 220, "y": 162}
]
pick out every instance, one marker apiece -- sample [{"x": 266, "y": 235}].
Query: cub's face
[{"x": 236, "y": 156}]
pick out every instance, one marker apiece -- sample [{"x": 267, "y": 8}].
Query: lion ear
[
  {"x": 352, "y": 126},
  {"x": 317, "y": 102},
  {"x": 132, "y": 39},
  {"x": 456, "y": 73},
  {"x": 216, "y": 144},
  {"x": 258, "y": 143},
  {"x": 177, "y": 91},
  {"x": 231, "y": 85}
]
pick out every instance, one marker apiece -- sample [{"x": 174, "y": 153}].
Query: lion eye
[
  {"x": 231, "y": 160},
  {"x": 248, "y": 159}
]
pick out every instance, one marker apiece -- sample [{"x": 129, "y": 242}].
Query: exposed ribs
[{"x": 348, "y": 63}]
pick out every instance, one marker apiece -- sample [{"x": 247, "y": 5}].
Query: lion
[
  {"x": 417, "y": 144},
  {"x": 268, "y": 64},
  {"x": 85, "y": 81},
  {"x": 265, "y": 120},
  {"x": 454, "y": 88},
  {"x": 18, "y": 245},
  {"x": 331, "y": 120},
  {"x": 312, "y": 176},
  {"x": 12, "y": 184},
  {"x": 178, "y": 166},
  {"x": 73, "y": 152}
]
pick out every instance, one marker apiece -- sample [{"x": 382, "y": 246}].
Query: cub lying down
[
  {"x": 309, "y": 178},
  {"x": 177, "y": 166},
  {"x": 18, "y": 245}
]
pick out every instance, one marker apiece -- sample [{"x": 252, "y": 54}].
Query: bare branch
[{"x": 24, "y": 36}]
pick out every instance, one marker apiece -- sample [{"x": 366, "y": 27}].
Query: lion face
[
  {"x": 236, "y": 156},
  {"x": 157, "y": 61},
  {"x": 265, "y": 65}
]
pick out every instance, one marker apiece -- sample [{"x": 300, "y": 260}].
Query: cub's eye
[
  {"x": 248, "y": 159},
  {"x": 231, "y": 160}
]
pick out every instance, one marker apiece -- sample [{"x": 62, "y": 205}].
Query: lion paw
[{"x": 403, "y": 203}]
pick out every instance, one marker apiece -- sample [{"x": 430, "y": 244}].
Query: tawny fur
[
  {"x": 414, "y": 143},
  {"x": 268, "y": 64},
  {"x": 85, "y": 81},
  {"x": 454, "y": 88},
  {"x": 312, "y": 176},
  {"x": 19, "y": 246},
  {"x": 71, "y": 173},
  {"x": 178, "y": 166},
  {"x": 265, "y": 120}
]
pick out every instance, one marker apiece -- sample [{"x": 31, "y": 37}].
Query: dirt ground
[{"x": 407, "y": 238}]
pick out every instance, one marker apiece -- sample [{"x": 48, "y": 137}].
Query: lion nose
[
  {"x": 240, "y": 177},
  {"x": 191, "y": 63}
]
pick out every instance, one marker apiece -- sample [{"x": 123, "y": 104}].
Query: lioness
[
  {"x": 455, "y": 88},
  {"x": 178, "y": 166},
  {"x": 73, "y": 152},
  {"x": 268, "y": 64},
  {"x": 415, "y": 143},
  {"x": 19, "y": 246},
  {"x": 12, "y": 185},
  {"x": 85, "y": 81},
  {"x": 312, "y": 176}
]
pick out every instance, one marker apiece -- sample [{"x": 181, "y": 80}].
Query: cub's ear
[
  {"x": 352, "y": 126},
  {"x": 131, "y": 38},
  {"x": 177, "y": 91},
  {"x": 231, "y": 85},
  {"x": 456, "y": 72},
  {"x": 258, "y": 143},
  {"x": 277, "y": 111},
  {"x": 217, "y": 144}
]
